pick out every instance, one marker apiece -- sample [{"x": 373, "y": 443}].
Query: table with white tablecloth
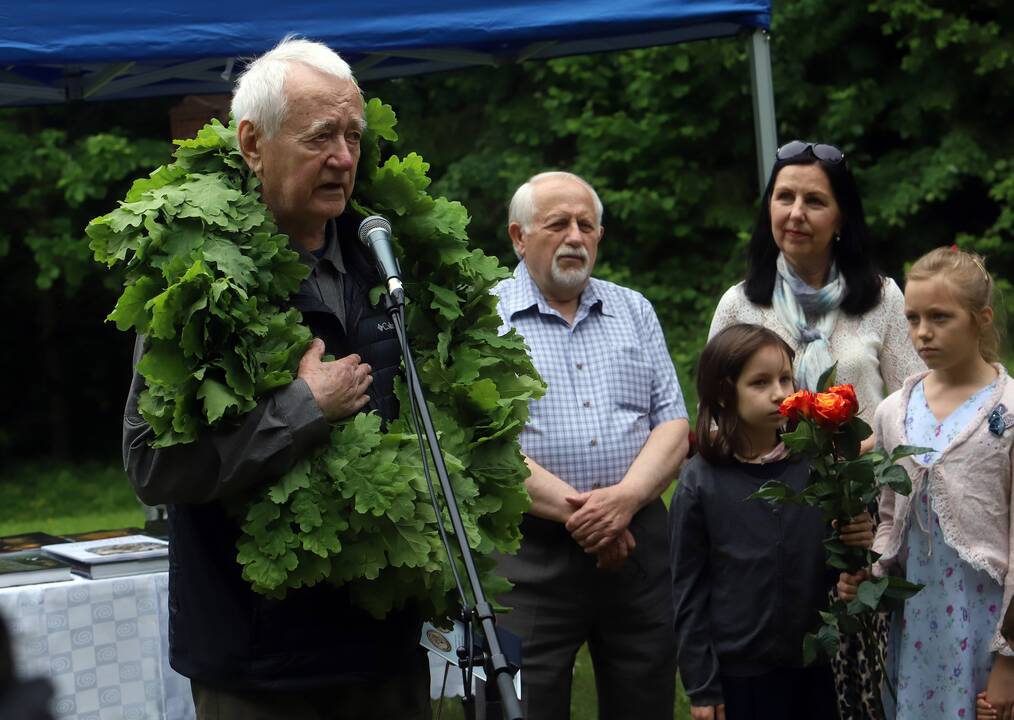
[{"x": 102, "y": 643}]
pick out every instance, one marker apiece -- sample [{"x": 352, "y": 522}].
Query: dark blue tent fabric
[
  {"x": 54, "y": 50},
  {"x": 58, "y": 31}
]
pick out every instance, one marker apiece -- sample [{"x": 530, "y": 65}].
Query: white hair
[
  {"x": 260, "y": 90},
  {"x": 522, "y": 207}
]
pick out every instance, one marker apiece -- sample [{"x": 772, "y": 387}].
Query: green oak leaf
[
  {"x": 130, "y": 312},
  {"x": 218, "y": 399},
  {"x": 446, "y": 302},
  {"x": 298, "y": 477}
]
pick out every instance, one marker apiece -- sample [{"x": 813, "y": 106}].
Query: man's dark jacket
[{"x": 222, "y": 634}]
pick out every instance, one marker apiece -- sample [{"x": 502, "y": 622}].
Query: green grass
[
  {"x": 63, "y": 498},
  {"x": 583, "y": 704},
  {"x": 66, "y": 498}
]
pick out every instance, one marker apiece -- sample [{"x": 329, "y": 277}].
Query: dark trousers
[
  {"x": 784, "y": 694},
  {"x": 405, "y": 697},
  {"x": 560, "y": 601}
]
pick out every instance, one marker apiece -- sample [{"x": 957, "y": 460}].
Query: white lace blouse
[{"x": 873, "y": 350}]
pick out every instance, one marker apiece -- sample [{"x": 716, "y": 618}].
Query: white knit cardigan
[
  {"x": 970, "y": 484},
  {"x": 872, "y": 350}
]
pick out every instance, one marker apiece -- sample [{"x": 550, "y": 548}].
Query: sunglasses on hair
[{"x": 821, "y": 151}]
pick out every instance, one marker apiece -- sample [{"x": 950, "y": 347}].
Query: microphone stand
[{"x": 494, "y": 661}]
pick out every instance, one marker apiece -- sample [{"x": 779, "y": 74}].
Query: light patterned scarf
[{"x": 793, "y": 300}]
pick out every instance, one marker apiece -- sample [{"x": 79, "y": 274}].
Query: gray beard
[{"x": 570, "y": 279}]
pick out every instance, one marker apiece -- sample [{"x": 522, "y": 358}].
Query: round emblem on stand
[{"x": 438, "y": 640}]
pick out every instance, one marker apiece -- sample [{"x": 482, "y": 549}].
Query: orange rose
[
  {"x": 849, "y": 393},
  {"x": 830, "y": 409},
  {"x": 797, "y": 405}
]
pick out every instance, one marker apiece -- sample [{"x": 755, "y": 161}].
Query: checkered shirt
[{"x": 609, "y": 379}]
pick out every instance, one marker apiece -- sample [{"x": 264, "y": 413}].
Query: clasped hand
[
  {"x": 599, "y": 524},
  {"x": 338, "y": 386},
  {"x": 613, "y": 555}
]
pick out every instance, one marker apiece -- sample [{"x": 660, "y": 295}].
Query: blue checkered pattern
[{"x": 609, "y": 379}]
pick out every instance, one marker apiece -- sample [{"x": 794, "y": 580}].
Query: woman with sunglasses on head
[{"x": 811, "y": 279}]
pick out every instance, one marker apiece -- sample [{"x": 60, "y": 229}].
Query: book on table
[
  {"x": 102, "y": 534},
  {"x": 31, "y": 567},
  {"x": 114, "y": 556},
  {"x": 27, "y": 541}
]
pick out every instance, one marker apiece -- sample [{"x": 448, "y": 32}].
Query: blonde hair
[{"x": 972, "y": 285}]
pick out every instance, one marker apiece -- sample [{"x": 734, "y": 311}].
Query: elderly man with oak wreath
[{"x": 313, "y": 655}]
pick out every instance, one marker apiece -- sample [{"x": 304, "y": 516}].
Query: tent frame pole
[{"x": 762, "y": 89}]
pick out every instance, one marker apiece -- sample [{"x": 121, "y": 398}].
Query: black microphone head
[{"x": 373, "y": 222}]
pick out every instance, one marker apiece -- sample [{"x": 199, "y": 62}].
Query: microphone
[{"x": 375, "y": 233}]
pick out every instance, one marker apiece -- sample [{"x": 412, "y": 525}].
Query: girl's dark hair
[
  {"x": 718, "y": 369},
  {"x": 853, "y": 252}
]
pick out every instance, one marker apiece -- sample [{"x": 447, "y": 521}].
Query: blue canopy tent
[{"x": 54, "y": 51}]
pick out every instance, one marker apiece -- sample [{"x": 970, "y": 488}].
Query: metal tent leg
[{"x": 764, "y": 129}]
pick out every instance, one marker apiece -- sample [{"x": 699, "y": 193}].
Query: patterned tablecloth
[{"x": 104, "y": 645}]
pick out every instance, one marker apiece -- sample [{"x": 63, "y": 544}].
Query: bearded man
[{"x": 601, "y": 445}]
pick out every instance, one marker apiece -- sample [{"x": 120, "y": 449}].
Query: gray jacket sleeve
[{"x": 226, "y": 461}]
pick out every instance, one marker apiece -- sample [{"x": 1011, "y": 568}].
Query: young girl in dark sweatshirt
[{"x": 748, "y": 576}]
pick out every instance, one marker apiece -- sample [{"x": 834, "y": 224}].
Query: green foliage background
[{"x": 919, "y": 93}]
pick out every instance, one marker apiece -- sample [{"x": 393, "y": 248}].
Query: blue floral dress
[{"x": 938, "y": 654}]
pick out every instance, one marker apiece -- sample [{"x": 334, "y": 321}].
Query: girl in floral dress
[{"x": 946, "y": 657}]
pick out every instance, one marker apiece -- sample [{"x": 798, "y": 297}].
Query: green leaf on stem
[
  {"x": 855, "y": 607},
  {"x": 801, "y": 438},
  {"x": 811, "y": 648},
  {"x": 821, "y": 645},
  {"x": 900, "y": 589},
  {"x": 827, "y": 378},
  {"x": 828, "y": 617},
  {"x": 877, "y": 455},
  {"x": 870, "y": 592},
  {"x": 850, "y": 436},
  {"x": 849, "y": 624},
  {"x": 835, "y": 545},
  {"x": 847, "y": 441},
  {"x": 905, "y": 450},
  {"x": 838, "y": 562},
  {"x": 828, "y": 637},
  {"x": 774, "y": 491},
  {"x": 862, "y": 428},
  {"x": 858, "y": 472},
  {"x": 895, "y": 477},
  {"x": 842, "y": 619}
]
